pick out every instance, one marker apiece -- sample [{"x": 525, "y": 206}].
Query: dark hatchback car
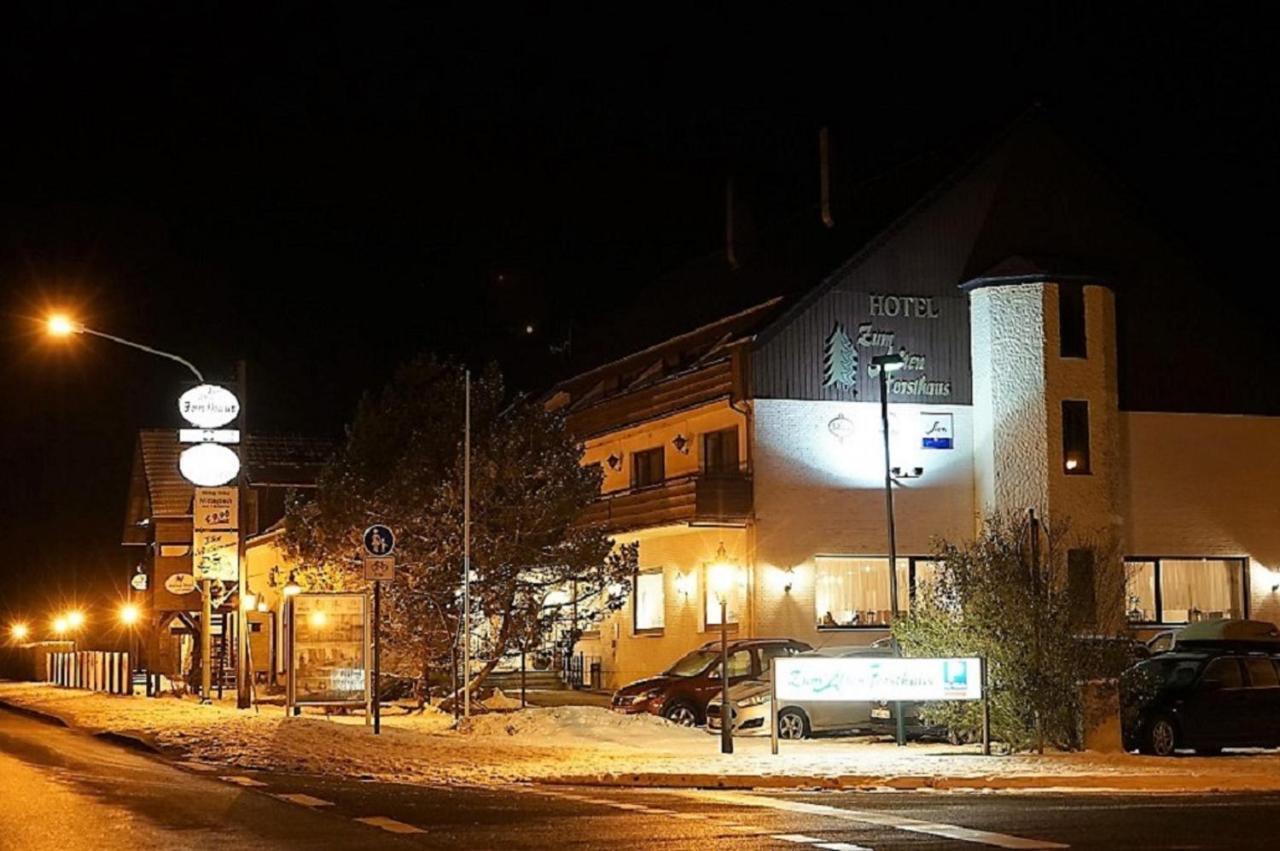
[
  {"x": 681, "y": 692},
  {"x": 1202, "y": 699}
]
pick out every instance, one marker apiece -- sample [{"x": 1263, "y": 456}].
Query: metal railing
[{"x": 95, "y": 670}]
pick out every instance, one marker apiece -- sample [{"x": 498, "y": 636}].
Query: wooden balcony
[{"x": 712, "y": 500}]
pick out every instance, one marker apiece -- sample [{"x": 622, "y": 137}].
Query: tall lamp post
[
  {"x": 886, "y": 364},
  {"x": 720, "y": 578},
  {"x": 61, "y": 325}
]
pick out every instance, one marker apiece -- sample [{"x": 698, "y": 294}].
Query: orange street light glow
[
  {"x": 129, "y": 614},
  {"x": 61, "y": 325},
  {"x": 19, "y": 631},
  {"x": 60, "y": 624},
  {"x": 75, "y": 619}
]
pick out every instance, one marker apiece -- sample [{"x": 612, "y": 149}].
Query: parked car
[
  {"x": 681, "y": 693},
  {"x": 1163, "y": 641},
  {"x": 1205, "y": 699},
  {"x": 752, "y": 702}
]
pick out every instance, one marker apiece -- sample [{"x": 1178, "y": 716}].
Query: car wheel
[
  {"x": 1161, "y": 737},
  {"x": 681, "y": 713},
  {"x": 792, "y": 724}
]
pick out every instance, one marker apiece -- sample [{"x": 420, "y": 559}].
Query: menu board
[{"x": 329, "y": 636}]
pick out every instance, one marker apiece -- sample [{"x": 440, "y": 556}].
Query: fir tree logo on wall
[{"x": 840, "y": 361}]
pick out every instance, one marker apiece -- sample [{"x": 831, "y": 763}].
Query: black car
[{"x": 1202, "y": 699}]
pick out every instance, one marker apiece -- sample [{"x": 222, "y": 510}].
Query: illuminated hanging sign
[
  {"x": 208, "y": 406},
  {"x": 872, "y": 678},
  {"x": 208, "y": 435},
  {"x": 215, "y": 555},
  {"x": 180, "y": 583},
  {"x": 216, "y": 508},
  {"x": 208, "y": 465}
]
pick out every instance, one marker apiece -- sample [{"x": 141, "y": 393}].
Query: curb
[
  {"x": 34, "y": 714},
  {"x": 902, "y": 783},
  {"x": 133, "y": 741}
]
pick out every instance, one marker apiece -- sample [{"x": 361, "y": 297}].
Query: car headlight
[
  {"x": 646, "y": 696},
  {"x": 754, "y": 700}
]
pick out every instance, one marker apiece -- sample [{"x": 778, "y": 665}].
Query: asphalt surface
[{"x": 63, "y": 790}]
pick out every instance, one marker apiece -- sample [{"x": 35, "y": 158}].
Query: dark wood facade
[{"x": 699, "y": 500}]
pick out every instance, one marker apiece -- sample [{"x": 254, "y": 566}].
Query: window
[
  {"x": 773, "y": 651},
  {"x": 1184, "y": 590},
  {"x": 1262, "y": 673},
  {"x": 712, "y": 605},
  {"x": 1075, "y": 437},
  {"x": 854, "y": 592},
  {"x": 647, "y": 607},
  {"x": 647, "y": 468},
  {"x": 1225, "y": 671},
  {"x": 1071, "y": 321},
  {"x": 720, "y": 452},
  {"x": 739, "y": 665}
]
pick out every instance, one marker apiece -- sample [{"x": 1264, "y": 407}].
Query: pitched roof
[{"x": 158, "y": 489}]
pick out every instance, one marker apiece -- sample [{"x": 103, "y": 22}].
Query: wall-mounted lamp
[
  {"x": 615, "y": 462},
  {"x": 1275, "y": 588},
  {"x": 789, "y": 580},
  {"x": 912, "y": 473},
  {"x": 684, "y": 584},
  {"x": 681, "y": 443}
]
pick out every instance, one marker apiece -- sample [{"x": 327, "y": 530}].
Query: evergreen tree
[{"x": 840, "y": 360}]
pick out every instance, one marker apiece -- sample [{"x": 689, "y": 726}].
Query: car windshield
[{"x": 692, "y": 663}]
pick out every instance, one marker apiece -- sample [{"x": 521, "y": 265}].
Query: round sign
[
  {"x": 180, "y": 583},
  {"x": 379, "y": 540},
  {"x": 139, "y": 582},
  {"x": 208, "y": 406},
  {"x": 208, "y": 465}
]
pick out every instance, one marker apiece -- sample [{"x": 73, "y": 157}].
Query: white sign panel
[
  {"x": 215, "y": 555},
  {"x": 208, "y": 406},
  {"x": 936, "y": 431},
  {"x": 208, "y": 465},
  {"x": 869, "y": 678},
  {"x": 216, "y": 508},
  {"x": 208, "y": 435}
]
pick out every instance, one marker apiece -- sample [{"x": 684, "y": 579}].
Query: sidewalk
[{"x": 592, "y": 746}]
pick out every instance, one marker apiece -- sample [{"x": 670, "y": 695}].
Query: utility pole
[
  {"x": 243, "y": 671},
  {"x": 466, "y": 549},
  {"x": 886, "y": 364}
]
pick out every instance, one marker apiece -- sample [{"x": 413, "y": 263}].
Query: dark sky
[{"x": 325, "y": 189}]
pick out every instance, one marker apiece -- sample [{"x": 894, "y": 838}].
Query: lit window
[
  {"x": 648, "y": 605},
  {"x": 1075, "y": 437},
  {"x": 854, "y": 592},
  {"x": 1170, "y": 590},
  {"x": 733, "y": 602}
]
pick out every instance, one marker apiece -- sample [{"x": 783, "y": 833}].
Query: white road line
[
  {"x": 389, "y": 824},
  {"x": 241, "y": 780},
  {"x": 840, "y": 846},
  {"x": 623, "y": 805},
  {"x": 798, "y": 838},
  {"x": 948, "y": 831},
  {"x": 691, "y": 816},
  {"x": 304, "y": 800}
]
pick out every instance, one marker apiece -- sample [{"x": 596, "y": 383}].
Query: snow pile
[
  {"x": 498, "y": 701},
  {"x": 591, "y": 744}
]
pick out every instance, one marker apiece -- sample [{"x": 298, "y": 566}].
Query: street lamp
[
  {"x": 720, "y": 579},
  {"x": 886, "y": 364},
  {"x": 129, "y": 614},
  {"x": 61, "y": 325},
  {"x": 60, "y": 625},
  {"x": 75, "y": 619},
  {"x": 19, "y": 631}
]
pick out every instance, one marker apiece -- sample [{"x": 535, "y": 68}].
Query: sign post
[
  {"x": 328, "y": 651},
  {"x": 379, "y": 564}
]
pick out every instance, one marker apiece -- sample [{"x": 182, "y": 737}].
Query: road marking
[
  {"x": 798, "y": 838},
  {"x": 691, "y": 816},
  {"x": 304, "y": 800},
  {"x": 241, "y": 780},
  {"x": 948, "y": 831},
  {"x": 389, "y": 824},
  {"x": 840, "y": 846}
]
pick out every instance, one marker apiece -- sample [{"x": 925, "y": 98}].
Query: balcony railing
[{"x": 700, "y": 499}]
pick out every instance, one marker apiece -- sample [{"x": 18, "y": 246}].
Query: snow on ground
[{"x": 591, "y": 744}]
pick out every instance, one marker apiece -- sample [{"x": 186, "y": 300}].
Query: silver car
[{"x": 751, "y": 702}]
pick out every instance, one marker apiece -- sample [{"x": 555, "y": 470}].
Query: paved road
[{"x": 65, "y": 790}]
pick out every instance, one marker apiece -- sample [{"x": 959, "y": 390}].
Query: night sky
[{"x": 325, "y": 190}]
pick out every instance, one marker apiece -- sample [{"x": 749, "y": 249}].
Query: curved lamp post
[{"x": 61, "y": 325}]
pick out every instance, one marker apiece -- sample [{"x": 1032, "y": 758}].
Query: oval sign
[
  {"x": 139, "y": 582},
  {"x": 208, "y": 465},
  {"x": 208, "y": 406},
  {"x": 180, "y": 583}
]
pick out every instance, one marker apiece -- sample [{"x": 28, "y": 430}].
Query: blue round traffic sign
[{"x": 379, "y": 540}]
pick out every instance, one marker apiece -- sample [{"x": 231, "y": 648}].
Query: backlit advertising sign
[{"x": 874, "y": 678}]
